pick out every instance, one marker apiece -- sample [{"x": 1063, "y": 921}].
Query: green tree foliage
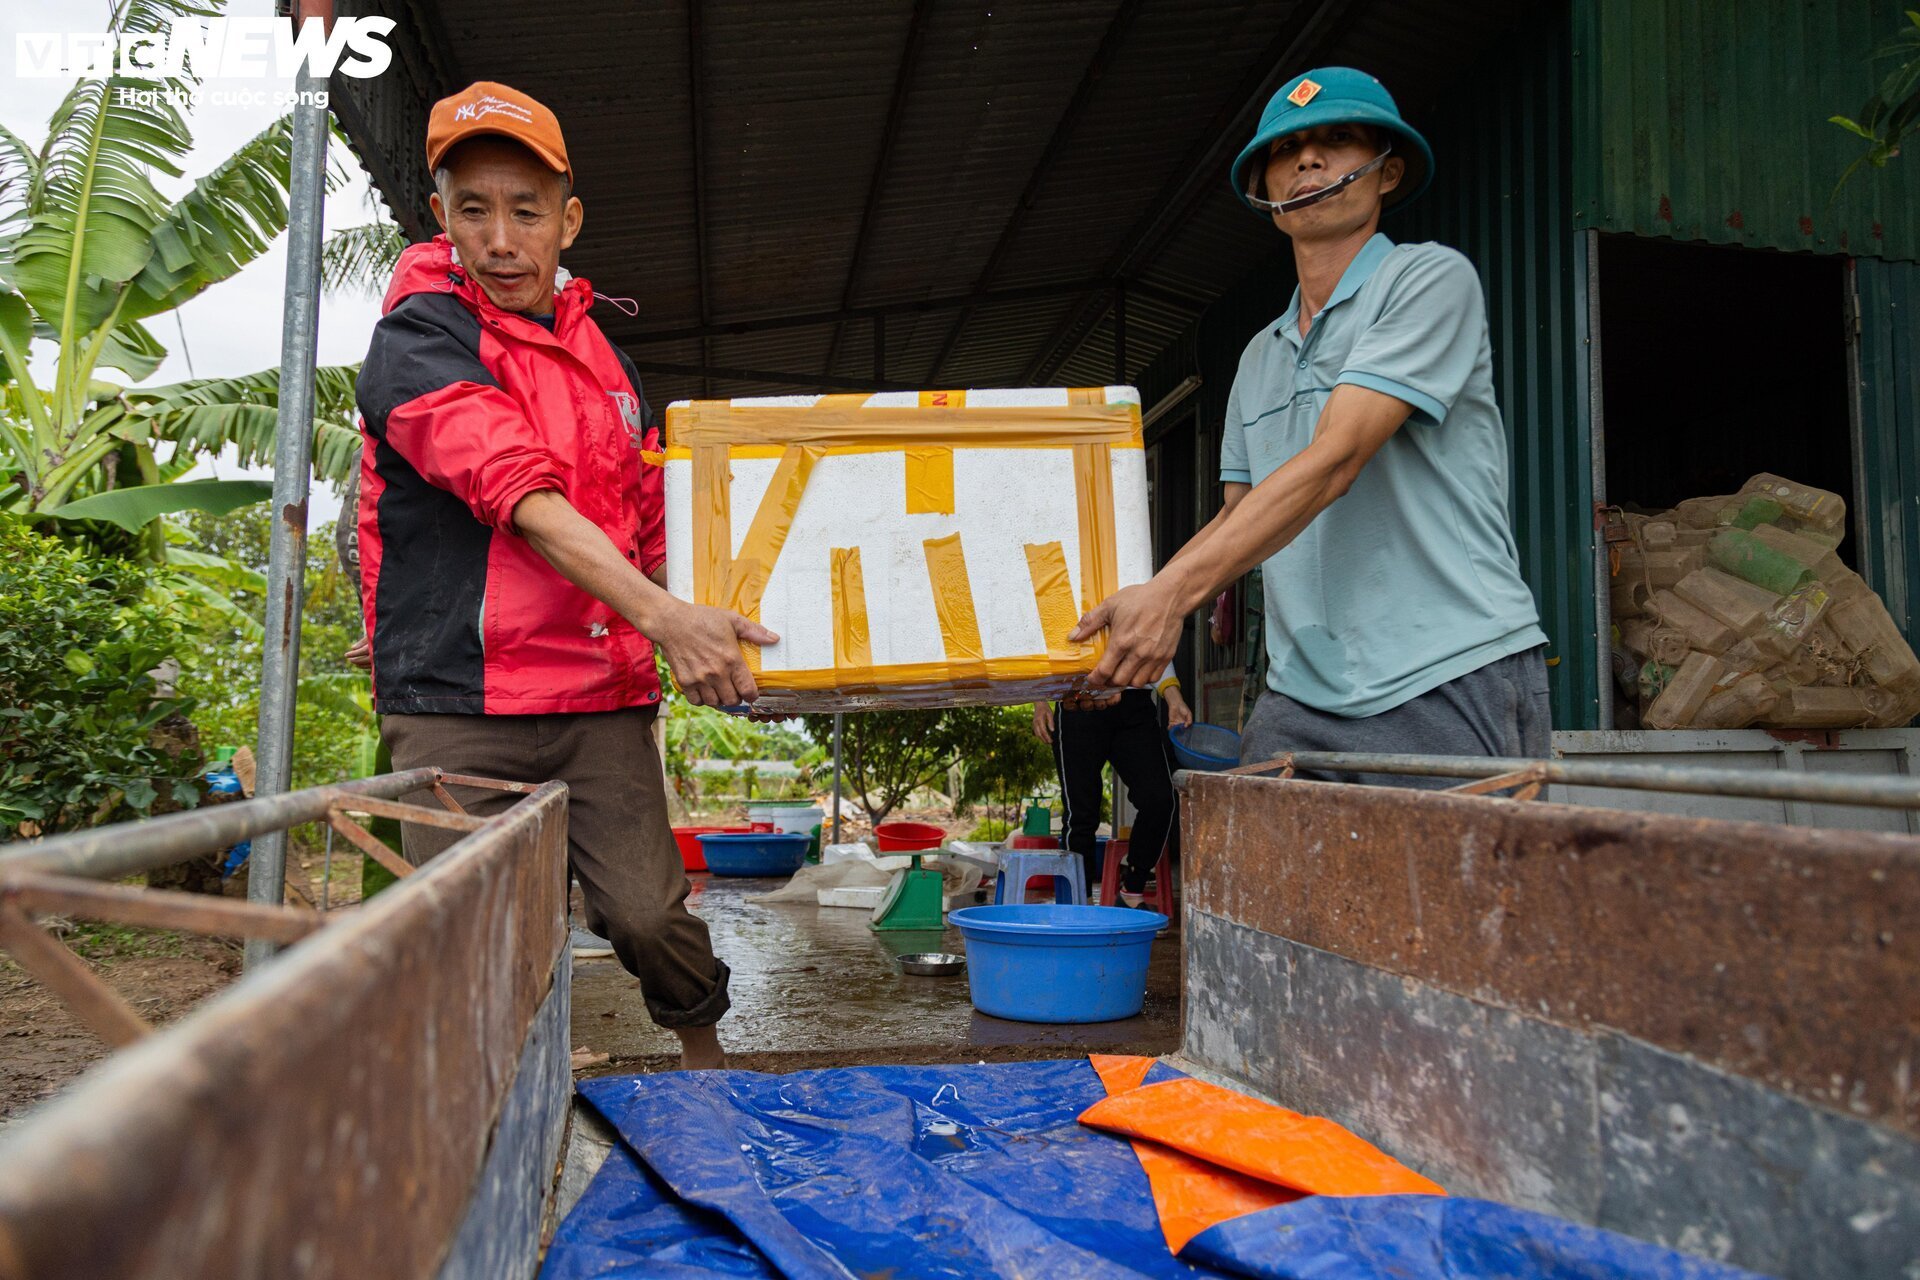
[
  {"x": 707, "y": 733},
  {"x": 1893, "y": 112},
  {"x": 886, "y": 756},
  {"x": 91, "y": 253},
  {"x": 1001, "y": 758},
  {"x": 79, "y": 634},
  {"x": 225, "y": 557}
]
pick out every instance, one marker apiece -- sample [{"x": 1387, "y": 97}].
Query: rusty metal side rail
[
  {"x": 59, "y": 875},
  {"x": 128, "y": 848},
  {"x": 332, "y": 1113},
  {"x": 1811, "y": 788},
  {"x": 1685, "y": 1029}
]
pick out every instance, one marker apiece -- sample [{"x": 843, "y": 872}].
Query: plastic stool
[
  {"x": 1159, "y": 896},
  {"x": 1017, "y": 868}
]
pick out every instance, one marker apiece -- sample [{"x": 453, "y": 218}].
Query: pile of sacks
[{"x": 1735, "y": 611}]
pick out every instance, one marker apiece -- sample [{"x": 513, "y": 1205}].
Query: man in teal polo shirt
[{"x": 1365, "y": 468}]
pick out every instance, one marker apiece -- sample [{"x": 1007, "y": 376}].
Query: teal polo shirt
[{"x": 1412, "y": 579}]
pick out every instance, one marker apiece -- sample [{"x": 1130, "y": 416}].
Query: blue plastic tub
[
  {"x": 1049, "y": 963},
  {"x": 1206, "y": 747},
  {"x": 756, "y": 853}
]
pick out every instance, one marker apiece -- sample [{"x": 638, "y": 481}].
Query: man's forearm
[
  {"x": 1198, "y": 540},
  {"x": 1266, "y": 520},
  {"x": 582, "y": 554},
  {"x": 1356, "y": 422}
]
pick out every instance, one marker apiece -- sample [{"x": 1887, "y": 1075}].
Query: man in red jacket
[{"x": 512, "y": 545}]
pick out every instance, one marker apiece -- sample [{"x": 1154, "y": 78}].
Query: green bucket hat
[{"x": 1336, "y": 95}]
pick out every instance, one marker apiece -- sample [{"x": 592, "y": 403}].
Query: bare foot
[{"x": 700, "y": 1049}]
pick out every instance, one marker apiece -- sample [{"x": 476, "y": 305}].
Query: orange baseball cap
[{"x": 487, "y": 107}]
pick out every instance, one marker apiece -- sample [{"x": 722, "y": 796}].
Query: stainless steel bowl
[{"x": 932, "y": 964}]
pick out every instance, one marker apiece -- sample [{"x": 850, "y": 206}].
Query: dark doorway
[{"x": 1717, "y": 364}]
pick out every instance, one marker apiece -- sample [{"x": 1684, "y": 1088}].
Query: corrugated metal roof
[
  {"x": 792, "y": 103},
  {"x": 1711, "y": 123}
]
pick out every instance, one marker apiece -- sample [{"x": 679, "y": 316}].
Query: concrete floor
[{"x": 815, "y": 987}]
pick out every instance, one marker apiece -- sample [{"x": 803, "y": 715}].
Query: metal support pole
[
  {"x": 1589, "y": 247},
  {"x": 836, "y": 777},
  {"x": 292, "y": 470}
]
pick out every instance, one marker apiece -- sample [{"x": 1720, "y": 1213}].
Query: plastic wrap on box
[{"x": 911, "y": 549}]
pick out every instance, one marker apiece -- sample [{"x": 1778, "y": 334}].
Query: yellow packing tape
[
  {"x": 1053, "y": 595},
  {"x": 852, "y": 647},
  {"x": 760, "y": 550},
  {"x": 930, "y": 482},
  {"x": 772, "y": 521},
  {"x": 1099, "y": 557},
  {"x": 836, "y": 424},
  {"x": 925, "y": 675},
  {"x": 712, "y": 523},
  {"x": 681, "y": 452},
  {"x": 953, "y": 600}
]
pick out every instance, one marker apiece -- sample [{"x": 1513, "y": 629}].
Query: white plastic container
[{"x": 784, "y": 817}]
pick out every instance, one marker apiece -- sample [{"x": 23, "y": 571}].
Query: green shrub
[
  {"x": 334, "y": 726},
  {"x": 991, "y": 829},
  {"x": 78, "y": 635}
]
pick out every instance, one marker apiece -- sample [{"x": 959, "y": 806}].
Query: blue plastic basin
[
  {"x": 756, "y": 853},
  {"x": 1205, "y": 747},
  {"x": 1048, "y": 963}
]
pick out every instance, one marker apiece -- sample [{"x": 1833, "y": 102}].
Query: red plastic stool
[{"x": 1159, "y": 896}]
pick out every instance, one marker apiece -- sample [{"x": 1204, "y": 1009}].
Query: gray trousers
[
  {"x": 618, "y": 841},
  {"x": 1499, "y": 710}
]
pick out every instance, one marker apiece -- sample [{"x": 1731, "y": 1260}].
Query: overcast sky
[{"x": 234, "y": 327}]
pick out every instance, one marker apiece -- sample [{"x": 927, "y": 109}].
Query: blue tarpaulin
[{"x": 984, "y": 1171}]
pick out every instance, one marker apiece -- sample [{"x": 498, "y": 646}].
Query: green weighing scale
[
  {"x": 1039, "y": 819},
  {"x": 915, "y": 899}
]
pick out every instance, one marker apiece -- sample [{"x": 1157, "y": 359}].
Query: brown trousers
[{"x": 618, "y": 840}]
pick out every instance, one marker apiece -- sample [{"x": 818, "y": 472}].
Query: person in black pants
[{"x": 1124, "y": 729}]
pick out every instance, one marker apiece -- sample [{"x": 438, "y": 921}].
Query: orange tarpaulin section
[
  {"x": 1211, "y": 1154},
  {"x": 1189, "y": 1194}
]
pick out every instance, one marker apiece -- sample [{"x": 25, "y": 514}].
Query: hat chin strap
[{"x": 1327, "y": 192}]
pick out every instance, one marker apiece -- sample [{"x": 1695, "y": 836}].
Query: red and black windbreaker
[{"x": 467, "y": 409}]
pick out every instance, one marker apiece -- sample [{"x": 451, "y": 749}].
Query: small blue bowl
[
  {"x": 755, "y": 853},
  {"x": 1205, "y": 747},
  {"x": 1052, "y": 963}
]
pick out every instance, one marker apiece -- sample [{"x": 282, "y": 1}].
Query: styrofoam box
[{"x": 1004, "y": 500}]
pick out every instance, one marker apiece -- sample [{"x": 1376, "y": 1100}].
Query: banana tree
[{"x": 90, "y": 253}]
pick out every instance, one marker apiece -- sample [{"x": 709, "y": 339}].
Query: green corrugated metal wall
[
  {"x": 1503, "y": 195},
  {"x": 1710, "y": 122},
  {"x": 1889, "y": 390}
]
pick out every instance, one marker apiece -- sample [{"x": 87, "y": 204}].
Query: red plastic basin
[
  {"x": 908, "y": 837},
  {"x": 688, "y": 838}
]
